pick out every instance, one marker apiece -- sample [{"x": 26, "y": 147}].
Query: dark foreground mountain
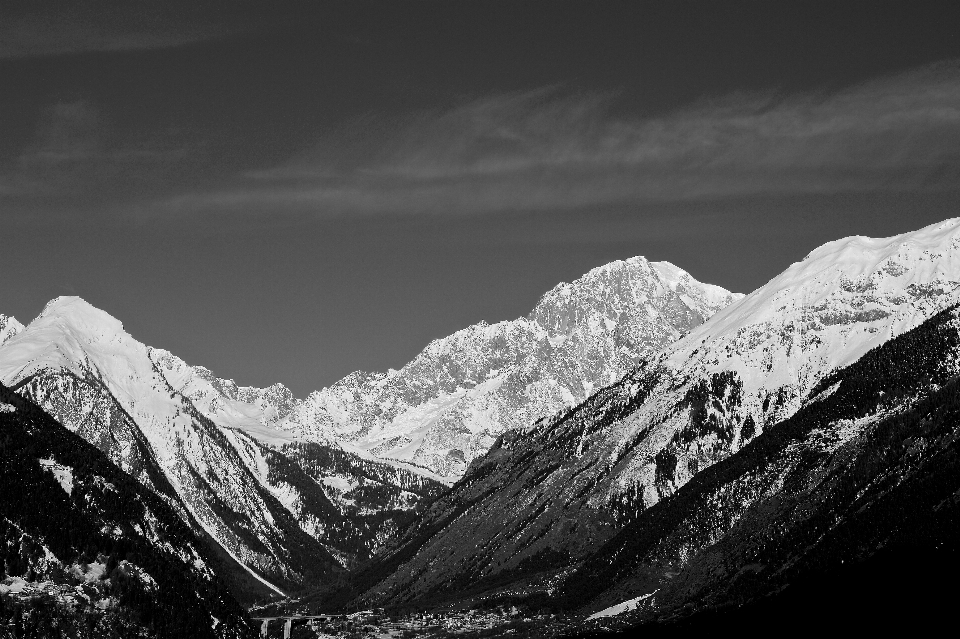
[{"x": 88, "y": 552}]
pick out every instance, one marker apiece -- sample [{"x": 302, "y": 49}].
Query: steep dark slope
[
  {"x": 904, "y": 588},
  {"x": 89, "y": 552},
  {"x": 859, "y": 487}
]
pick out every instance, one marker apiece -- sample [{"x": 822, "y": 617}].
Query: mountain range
[
  {"x": 448, "y": 404},
  {"x": 543, "y": 508},
  {"x": 642, "y": 448},
  {"x": 294, "y": 492}
]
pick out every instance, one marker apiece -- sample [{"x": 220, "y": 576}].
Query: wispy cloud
[
  {"x": 40, "y": 28},
  {"x": 542, "y": 150},
  {"x": 75, "y": 155}
]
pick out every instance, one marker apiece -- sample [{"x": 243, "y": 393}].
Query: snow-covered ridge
[
  {"x": 634, "y": 280},
  {"x": 841, "y": 300},
  {"x": 213, "y": 440},
  {"x": 447, "y": 405},
  {"x": 70, "y": 331}
]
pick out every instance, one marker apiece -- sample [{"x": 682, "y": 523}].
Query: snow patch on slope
[
  {"x": 63, "y": 474},
  {"x": 622, "y": 607}
]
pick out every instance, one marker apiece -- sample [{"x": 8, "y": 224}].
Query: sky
[{"x": 288, "y": 192}]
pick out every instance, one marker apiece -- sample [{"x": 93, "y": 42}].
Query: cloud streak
[
  {"x": 33, "y": 29},
  {"x": 76, "y": 157},
  {"x": 541, "y": 150}
]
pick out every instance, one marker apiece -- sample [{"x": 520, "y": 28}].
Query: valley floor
[{"x": 468, "y": 624}]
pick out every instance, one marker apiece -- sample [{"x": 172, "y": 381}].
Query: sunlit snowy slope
[{"x": 834, "y": 509}]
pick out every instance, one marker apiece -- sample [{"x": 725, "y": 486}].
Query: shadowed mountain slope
[{"x": 89, "y": 552}]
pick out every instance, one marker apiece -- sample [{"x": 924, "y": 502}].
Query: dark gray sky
[{"x": 290, "y": 194}]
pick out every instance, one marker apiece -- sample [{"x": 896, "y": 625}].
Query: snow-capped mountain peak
[
  {"x": 447, "y": 405},
  {"x": 163, "y": 423},
  {"x": 630, "y": 288},
  {"x": 9, "y": 327},
  {"x": 79, "y": 313}
]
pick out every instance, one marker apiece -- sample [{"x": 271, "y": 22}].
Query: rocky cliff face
[
  {"x": 447, "y": 406},
  {"x": 544, "y": 499}
]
